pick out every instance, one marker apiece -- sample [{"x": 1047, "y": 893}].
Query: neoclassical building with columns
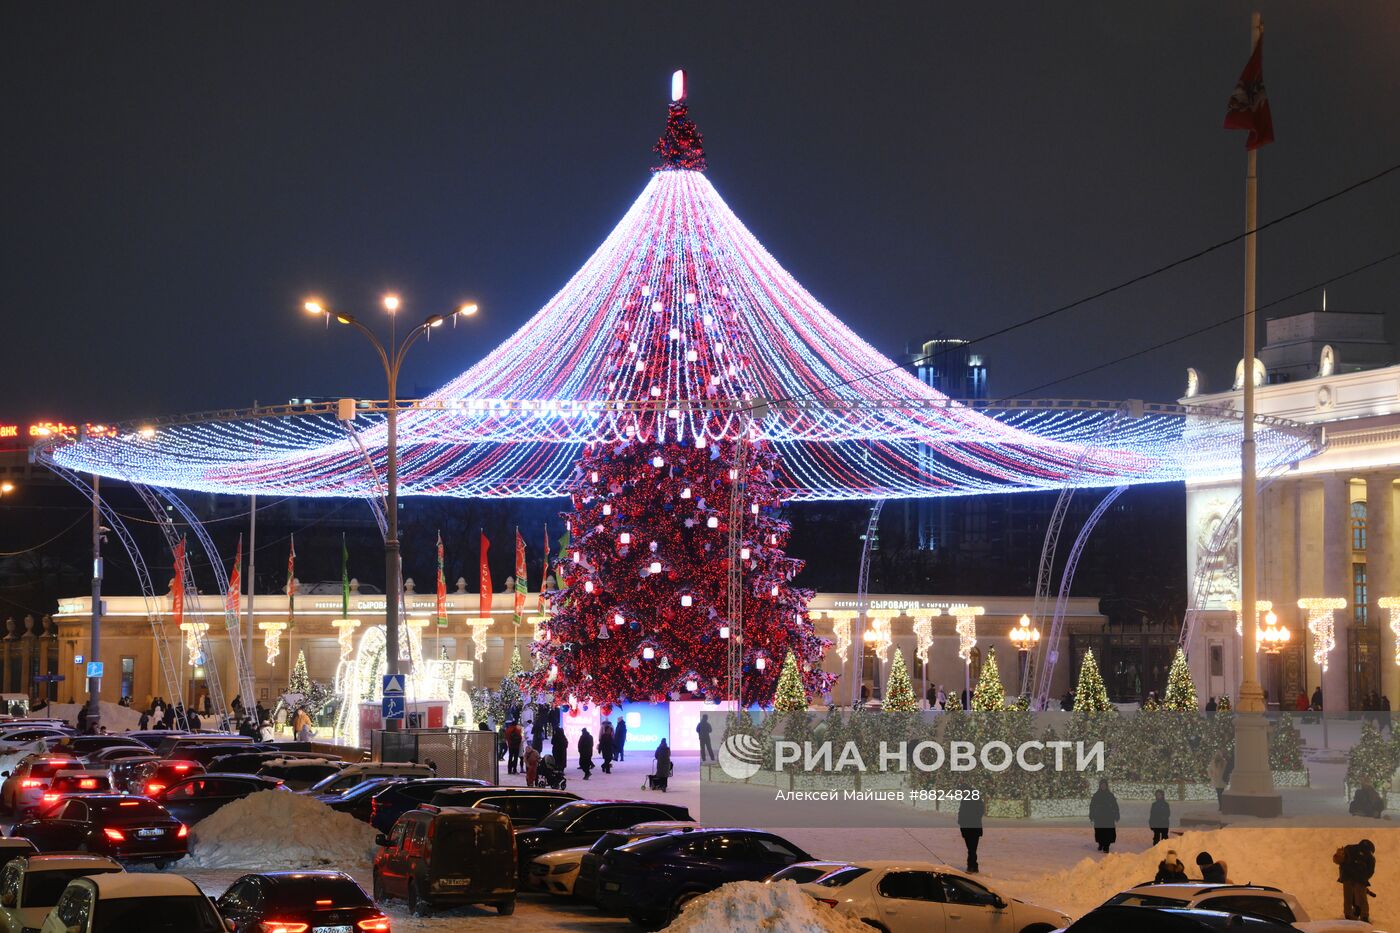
[{"x": 1326, "y": 526}]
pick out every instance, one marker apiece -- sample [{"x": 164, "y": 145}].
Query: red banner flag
[
  {"x": 1248, "y": 108},
  {"x": 177, "y": 589},
  {"x": 485, "y": 577},
  {"x": 441, "y": 587},
  {"x": 522, "y": 582},
  {"x": 235, "y": 583}
]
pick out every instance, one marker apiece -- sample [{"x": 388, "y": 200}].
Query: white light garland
[
  {"x": 272, "y": 638},
  {"x": 479, "y": 627},
  {"x": 345, "y": 635},
  {"x": 1392, "y": 603},
  {"x": 923, "y": 632},
  {"x": 966, "y": 627},
  {"x": 1322, "y": 624},
  {"x": 194, "y": 635},
  {"x": 1261, "y": 606}
]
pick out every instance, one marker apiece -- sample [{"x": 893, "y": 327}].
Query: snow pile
[
  {"x": 1297, "y": 860},
  {"x": 277, "y": 829},
  {"x": 766, "y": 908},
  {"x": 115, "y": 717}
]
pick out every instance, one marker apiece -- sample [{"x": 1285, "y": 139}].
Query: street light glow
[
  {"x": 391, "y": 302},
  {"x": 313, "y": 306},
  {"x": 6, "y": 488},
  {"x": 468, "y": 309}
]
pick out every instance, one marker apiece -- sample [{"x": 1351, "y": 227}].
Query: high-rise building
[{"x": 948, "y": 365}]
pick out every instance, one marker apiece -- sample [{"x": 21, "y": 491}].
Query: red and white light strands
[{"x": 1322, "y": 624}]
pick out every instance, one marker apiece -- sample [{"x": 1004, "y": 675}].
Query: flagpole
[
  {"x": 252, "y": 702},
  {"x": 1251, "y": 788}
]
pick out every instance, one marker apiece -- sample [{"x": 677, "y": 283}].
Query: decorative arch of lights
[{"x": 681, "y": 328}]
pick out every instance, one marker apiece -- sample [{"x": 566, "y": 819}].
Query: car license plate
[
  {"x": 455, "y": 882},
  {"x": 611, "y": 886},
  {"x": 150, "y": 833},
  {"x": 340, "y": 929}
]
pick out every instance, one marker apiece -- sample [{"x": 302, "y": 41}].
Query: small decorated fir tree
[
  {"x": 790, "y": 696},
  {"x": 899, "y": 693},
  {"x": 1372, "y": 759},
  {"x": 301, "y": 680},
  {"x": 1181, "y": 690},
  {"x": 516, "y": 667},
  {"x": 1285, "y": 746},
  {"x": 989, "y": 695},
  {"x": 1090, "y": 695}
]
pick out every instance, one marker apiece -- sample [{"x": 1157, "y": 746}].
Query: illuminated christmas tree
[
  {"x": 301, "y": 680},
  {"x": 1285, "y": 746},
  {"x": 1090, "y": 695},
  {"x": 899, "y": 693},
  {"x": 989, "y": 694},
  {"x": 1181, "y": 689},
  {"x": 791, "y": 697}
]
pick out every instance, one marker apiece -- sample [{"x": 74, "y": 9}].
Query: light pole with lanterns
[
  {"x": 1025, "y": 637},
  {"x": 1273, "y": 638},
  {"x": 392, "y": 359}
]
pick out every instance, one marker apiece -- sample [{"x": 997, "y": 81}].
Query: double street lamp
[
  {"x": 392, "y": 358},
  {"x": 1025, "y": 637}
]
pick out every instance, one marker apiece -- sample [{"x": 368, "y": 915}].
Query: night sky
[{"x": 177, "y": 177}]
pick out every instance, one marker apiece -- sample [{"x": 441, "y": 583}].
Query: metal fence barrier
[{"x": 452, "y": 752}]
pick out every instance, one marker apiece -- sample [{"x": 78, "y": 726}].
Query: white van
[{"x": 363, "y": 771}]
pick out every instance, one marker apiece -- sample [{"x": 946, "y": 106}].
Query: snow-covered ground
[{"x": 1054, "y": 865}]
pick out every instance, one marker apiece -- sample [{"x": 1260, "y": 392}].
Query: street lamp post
[
  {"x": 392, "y": 359},
  {"x": 1273, "y": 638},
  {"x": 1024, "y": 636}
]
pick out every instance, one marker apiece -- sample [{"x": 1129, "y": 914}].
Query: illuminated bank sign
[{"x": 377, "y": 604}]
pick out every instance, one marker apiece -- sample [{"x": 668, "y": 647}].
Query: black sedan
[
  {"x": 129, "y": 829},
  {"x": 300, "y": 900},
  {"x": 394, "y": 801},
  {"x": 581, "y": 823},
  {"x": 194, "y": 798},
  {"x": 358, "y": 801}
]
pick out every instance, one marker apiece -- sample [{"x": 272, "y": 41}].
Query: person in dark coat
[
  {"x": 559, "y": 745},
  {"x": 1317, "y": 698},
  {"x": 707, "y": 751},
  {"x": 537, "y": 733},
  {"x": 1170, "y": 870},
  {"x": 607, "y": 745},
  {"x": 1355, "y": 866},
  {"x": 1104, "y": 815},
  {"x": 585, "y": 753},
  {"x": 970, "y": 813},
  {"x": 1212, "y": 872},
  {"x": 1366, "y": 802},
  {"x": 515, "y": 738},
  {"x": 663, "y": 767},
  {"x": 621, "y": 738},
  {"x": 1159, "y": 818}
]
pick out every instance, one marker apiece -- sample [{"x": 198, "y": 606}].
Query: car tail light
[
  {"x": 182, "y": 832},
  {"x": 154, "y": 788},
  {"x": 31, "y": 783},
  {"x": 827, "y": 901},
  {"x": 87, "y": 784},
  {"x": 50, "y": 798},
  {"x": 181, "y": 768},
  {"x": 116, "y": 835},
  {"x": 374, "y": 925},
  {"x": 283, "y": 926}
]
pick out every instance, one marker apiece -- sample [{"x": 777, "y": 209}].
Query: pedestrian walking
[
  {"x": 559, "y": 745},
  {"x": 970, "y": 813},
  {"x": 621, "y": 738},
  {"x": 532, "y": 765},
  {"x": 1216, "y": 771},
  {"x": 537, "y": 733},
  {"x": 703, "y": 729},
  {"x": 1355, "y": 866},
  {"x": 1212, "y": 872},
  {"x": 607, "y": 745},
  {"x": 1159, "y": 817},
  {"x": 515, "y": 737},
  {"x": 585, "y": 753},
  {"x": 1170, "y": 870},
  {"x": 1104, "y": 815}
]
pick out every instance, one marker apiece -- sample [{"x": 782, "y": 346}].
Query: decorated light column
[
  {"x": 923, "y": 639},
  {"x": 966, "y": 627},
  {"x": 880, "y": 638},
  {"x": 1392, "y": 604},
  {"x": 479, "y": 629},
  {"x": 1322, "y": 624}
]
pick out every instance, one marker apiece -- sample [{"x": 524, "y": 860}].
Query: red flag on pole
[
  {"x": 544, "y": 566},
  {"x": 1248, "y": 108},
  {"x": 235, "y": 583},
  {"x": 441, "y": 587},
  {"x": 292, "y": 583},
  {"x": 522, "y": 582},
  {"x": 177, "y": 590},
  {"x": 485, "y": 577}
]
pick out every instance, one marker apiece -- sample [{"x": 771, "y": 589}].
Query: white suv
[
  {"x": 122, "y": 902},
  {"x": 922, "y": 897},
  {"x": 29, "y": 887},
  {"x": 351, "y": 775},
  {"x": 1255, "y": 900}
]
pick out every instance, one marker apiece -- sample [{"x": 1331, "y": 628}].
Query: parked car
[
  {"x": 152, "y": 777},
  {"x": 651, "y": 879},
  {"x": 1172, "y": 920},
  {"x": 556, "y": 871},
  {"x": 13, "y": 847},
  {"x": 80, "y": 746},
  {"x": 67, "y": 783},
  {"x": 1255, "y": 900},
  {"x": 358, "y": 801},
  {"x": 585, "y": 885},
  {"x": 24, "y": 788},
  {"x": 525, "y": 806},
  {"x": 243, "y": 761},
  {"x": 353, "y": 774},
  {"x": 152, "y": 738},
  {"x": 901, "y": 896},
  {"x": 115, "y": 903},
  {"x": 106, "y": 757},
  {"x": 300, "y": 773},
  {"x": 298, "y": 901},
  {"x": 30, "y": 887},
  {"x": 172, "y": 744},
  {"x": 803, "y": 872},
  {"x": 205, "y": 753},
  {"x": 581, "y": 822},
  {"x": 394, "y": 800},
  {"x": 13, "y": 753},
  {"x": 445, "y": 857},
  {"x": 129, "y": 829},
  {"x": 120, "y": 770},
  {"x": 194, "y": 798}
]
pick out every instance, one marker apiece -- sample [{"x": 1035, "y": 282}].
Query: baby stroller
[
  {"x": 653, "y": 783},
  {"x": 550, "y": 776}
]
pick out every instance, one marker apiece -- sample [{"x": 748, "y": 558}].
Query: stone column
[
  {"x": 1336, "y": 581},
  {"x": 1380, "y": 571}
]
